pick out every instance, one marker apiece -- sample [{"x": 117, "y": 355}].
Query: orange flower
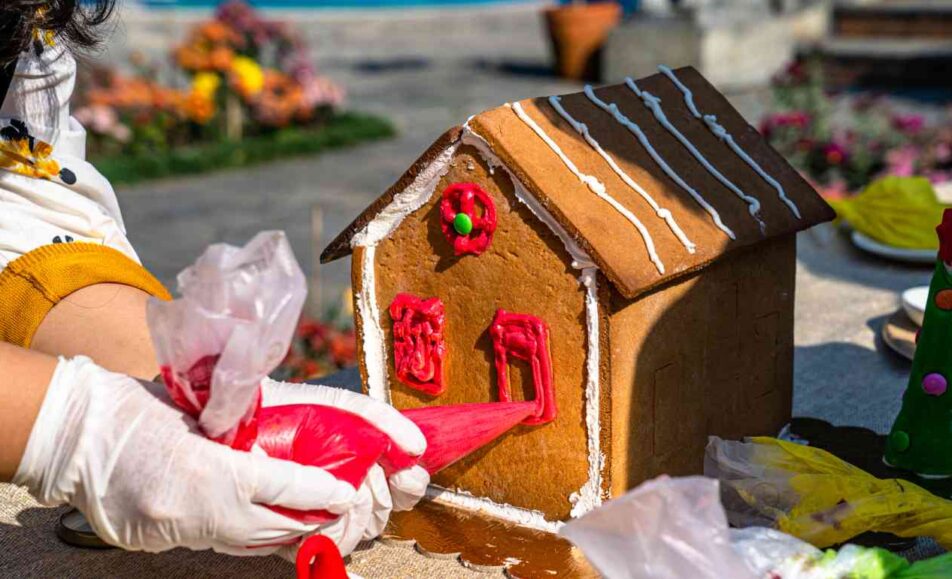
[
  {"x": 199, "y": 108},
  {"x": 221, "y": 58}
]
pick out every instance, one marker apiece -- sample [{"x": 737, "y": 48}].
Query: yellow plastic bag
[
  {"x": 813, "y": 495},
  {"x": 897, "y": 211}
]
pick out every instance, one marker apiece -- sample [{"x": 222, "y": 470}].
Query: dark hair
[{"x": 72, "y": 21}]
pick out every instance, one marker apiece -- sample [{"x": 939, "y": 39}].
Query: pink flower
[
  {"x": 835, "y": 154},
  {"x": 901, "y": 161},
  {"x": 908, "y": 123}
]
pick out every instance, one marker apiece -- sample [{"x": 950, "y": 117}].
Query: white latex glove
[
  {"x": 406, "y": 487},
  {"x": 145, "y": 478}
]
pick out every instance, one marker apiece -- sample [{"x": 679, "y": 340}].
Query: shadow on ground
[{"x": 31, "y": 549}]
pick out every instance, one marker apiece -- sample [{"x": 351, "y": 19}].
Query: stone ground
[{"x": 425, "y": 70}]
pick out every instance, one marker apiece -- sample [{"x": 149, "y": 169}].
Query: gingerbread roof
[{"x": 655, "y": 178}]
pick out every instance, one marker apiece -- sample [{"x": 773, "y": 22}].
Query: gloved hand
[
  {"x": 146, "y": 479},
  {"x": 378, "y": 495}
]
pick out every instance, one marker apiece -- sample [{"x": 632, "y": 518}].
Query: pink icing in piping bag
[{"x": 231, "y": 327}]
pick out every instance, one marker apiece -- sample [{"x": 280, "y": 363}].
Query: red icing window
[
  {"x": 524, "y": 337},
  {"x": 418, "y": 344},
  {"x": 469, "y": 228}
]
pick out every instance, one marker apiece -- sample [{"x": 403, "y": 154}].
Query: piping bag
[{"x": 232, "y": 327}]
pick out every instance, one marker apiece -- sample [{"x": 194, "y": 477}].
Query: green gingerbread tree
[{"x": 921, "y": 438}]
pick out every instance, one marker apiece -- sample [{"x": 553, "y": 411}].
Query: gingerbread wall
[
  {"x": 524, "y": 270},
  {"x": 712, "y": 354}
]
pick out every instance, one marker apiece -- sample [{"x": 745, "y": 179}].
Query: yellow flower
[
  {"x": 247, "y": 75},
  {"x": 206, "y": 84}
]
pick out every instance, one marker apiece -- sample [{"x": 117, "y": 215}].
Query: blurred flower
[
  {"x": 206, "y": 84},
  {"x": 908, "y": 123},
  {"x": 247, "y": 76},
  {"x": 834, "y": 153},
  {"x": 199, "y": 108},
  {"x": 901, "y": 161}
]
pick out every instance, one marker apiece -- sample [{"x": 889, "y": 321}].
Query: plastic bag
[
  {"x": 676, "y": 527},
  {"x": 811, "y": 494},
  {"x": 667, "y": 527},
  {"x": 231, "y": 327}
]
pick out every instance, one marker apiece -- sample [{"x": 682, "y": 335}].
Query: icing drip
[
  {"x": 612, "y": 109},
  {"x": 596, "y": 186},
  {"x": 721, "y": 133},
  {"x": 661, "y": 212},
  {"x": 590, "y": 495},
  {"x": 464, "y": 500},
  {"x": 654, "y": 104}
]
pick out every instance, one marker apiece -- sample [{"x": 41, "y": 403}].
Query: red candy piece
[
  {"x": 525, "y": 337},
  {"x": 418, "y": 344},
  {"x": 461, "y": 198}
]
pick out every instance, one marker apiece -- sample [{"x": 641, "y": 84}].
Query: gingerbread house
[{"x": 625, "y": 256}]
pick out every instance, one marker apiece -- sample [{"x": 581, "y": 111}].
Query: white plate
[
  {"x": 898, "y": 253},
  {"x": 914, "y": 303}
]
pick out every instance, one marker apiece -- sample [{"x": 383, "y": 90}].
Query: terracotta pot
[{"x": 577, "y": 32}]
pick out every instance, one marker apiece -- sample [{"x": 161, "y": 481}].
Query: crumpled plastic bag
[
  {"x": 666, "y": 527},
  {"x": 230, "y": 328},
  {"x": 676, "y": 527},
  {"x": 811, "y": 494},
  {"x": 897, "y": 211}
]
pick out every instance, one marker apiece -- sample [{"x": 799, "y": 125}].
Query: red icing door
[
  {"x": 524, "y": 337},
  {"x": 418, "y": 342}
]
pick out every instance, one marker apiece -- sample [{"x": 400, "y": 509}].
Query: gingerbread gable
[{"x": 654, "y": 178}]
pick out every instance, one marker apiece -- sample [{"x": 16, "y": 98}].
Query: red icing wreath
[{"x": 467, "y": 229}]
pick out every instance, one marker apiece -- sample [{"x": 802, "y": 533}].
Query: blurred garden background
[{"x": 217, "y": 120}]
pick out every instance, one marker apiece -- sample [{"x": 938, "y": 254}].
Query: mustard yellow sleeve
[{"x": 32, "y": 284}]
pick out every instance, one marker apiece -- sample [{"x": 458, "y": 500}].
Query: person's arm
[
  {"x": 105, "y": 322},
  {"x": 25, "y": 377}
]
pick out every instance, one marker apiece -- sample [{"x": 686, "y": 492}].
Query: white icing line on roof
[
  {"x": 661, "y": 212},
  {"x": 612, "y": 109},
  {"x": 596, "y": 186},
  {"x": 721, "y": 133},
  {"x": 654, "y": 105}
]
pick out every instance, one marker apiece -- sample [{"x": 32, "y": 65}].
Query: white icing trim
[
  {"x": 654, "y": 105},
  {"x": 590, "y": 495},
  {"x": 612, "y": 109},
  {"x": 596, "y": 186},
  {"x": 407, "y": 201},
  {"x": 375, "y": 357},
  {"x": 721, "y": 133},
  {"x": 375, "y": 352},
  {"x": 464, "y": 500},
  {"x": 661, "y": 212}
]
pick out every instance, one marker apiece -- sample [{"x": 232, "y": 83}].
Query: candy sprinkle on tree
[{"x": 921, "y": 438}]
